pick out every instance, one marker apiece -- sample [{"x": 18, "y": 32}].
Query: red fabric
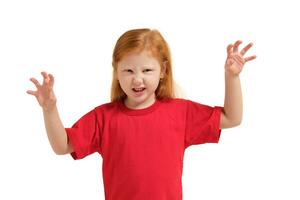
[{"x": 143, "y": 149}]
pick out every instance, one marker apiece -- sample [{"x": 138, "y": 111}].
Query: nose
[{"x": 137, "y": 80}]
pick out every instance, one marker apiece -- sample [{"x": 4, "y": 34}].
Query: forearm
[
  {"x": 55, "y": 130},
  {"x": 233, "y": 105}
]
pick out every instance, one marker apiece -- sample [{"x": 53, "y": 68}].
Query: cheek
[
  {"x": 124, "y": 82},
  {"x": 154, "y": 81}
]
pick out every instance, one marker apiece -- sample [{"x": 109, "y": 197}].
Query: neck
[{"x": 137, "y": 105}]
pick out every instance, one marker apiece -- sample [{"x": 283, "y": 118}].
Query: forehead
[{"x": 136, "y": 59}]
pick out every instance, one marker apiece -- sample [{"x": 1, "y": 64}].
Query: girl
[{"x": 143, "y": 132}]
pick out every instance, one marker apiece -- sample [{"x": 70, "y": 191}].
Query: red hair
[{"x": 139, "y": 40}]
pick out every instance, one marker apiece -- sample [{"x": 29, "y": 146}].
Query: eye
[
  {"x": 128, "y": 70},
  {"x": 148, "y": 70}
]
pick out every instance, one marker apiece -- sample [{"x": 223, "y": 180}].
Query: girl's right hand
[{"x": 44, "y": 93}]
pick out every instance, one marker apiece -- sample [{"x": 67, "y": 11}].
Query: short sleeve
[
  {"x": 85, "y": 136},
  {"x": 202, "y": 123}
]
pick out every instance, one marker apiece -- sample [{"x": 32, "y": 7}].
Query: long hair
[{"x": 138, "y": 40}]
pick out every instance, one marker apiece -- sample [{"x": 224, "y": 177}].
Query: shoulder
[
  {"x": 175, "y": 103},
  {"x": 106, "y": 107},
  {"x": 103, "y": 111},
  {"x": 185, "y": 104}
]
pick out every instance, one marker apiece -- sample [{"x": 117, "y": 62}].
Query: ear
[{"x": 163, "y": 69}]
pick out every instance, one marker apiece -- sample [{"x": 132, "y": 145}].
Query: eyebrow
[{"x": 143, "y": 67}]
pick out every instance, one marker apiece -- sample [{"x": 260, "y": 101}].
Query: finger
[
  {"x": 229, "y": 49},
  {"x": 31, "y": 92},
  {"x": 36, "y": 83},
  {"x": 45, "y": 76},
  {"x": 250, "y": 58},
  {"x": 246, "y": 48},
  {"x": 236, "y": 46},
  {"x": 51, "y": 79}
]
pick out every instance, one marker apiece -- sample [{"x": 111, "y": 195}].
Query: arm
[
  {"x": 233, "y": 105},
  {"x": 55, "y": 130}
]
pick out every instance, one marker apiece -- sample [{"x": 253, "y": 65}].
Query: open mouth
[{"x": 138, "y": 89}]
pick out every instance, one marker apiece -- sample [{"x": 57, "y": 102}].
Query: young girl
[{"x": 143, "y": 132}]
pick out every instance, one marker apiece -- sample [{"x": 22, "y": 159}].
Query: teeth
[{"x": 138, "y": 89}]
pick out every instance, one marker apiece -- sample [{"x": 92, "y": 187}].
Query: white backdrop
[{"x": 74, "y": 41}]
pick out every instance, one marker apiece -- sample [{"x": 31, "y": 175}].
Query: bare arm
[
  {"x": 233, "y": 106},
  {"x": 55, "y": 130}
]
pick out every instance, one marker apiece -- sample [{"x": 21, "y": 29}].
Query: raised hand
[
  {"x": 44, "y": 93},
  {"x": 235, "y": 60}
]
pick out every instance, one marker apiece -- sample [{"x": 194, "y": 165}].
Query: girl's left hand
[{"x": 235, "y": 60}]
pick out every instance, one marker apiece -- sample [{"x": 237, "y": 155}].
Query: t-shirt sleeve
[
  {"x": 85, "y": 136},
  {"x": 202, "y": 124}
]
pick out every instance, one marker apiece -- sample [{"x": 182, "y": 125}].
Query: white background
[{"x": 74, "y": 41}]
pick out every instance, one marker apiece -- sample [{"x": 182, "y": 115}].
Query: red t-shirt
[{"x": 143, "y": 150}]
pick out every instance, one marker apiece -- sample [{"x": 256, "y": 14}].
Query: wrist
[
  {"x": 230, "y": 74},
  {"x": 49, "y": 108}
]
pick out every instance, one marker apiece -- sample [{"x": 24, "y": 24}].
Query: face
[{"x": 139, "y": 75}]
